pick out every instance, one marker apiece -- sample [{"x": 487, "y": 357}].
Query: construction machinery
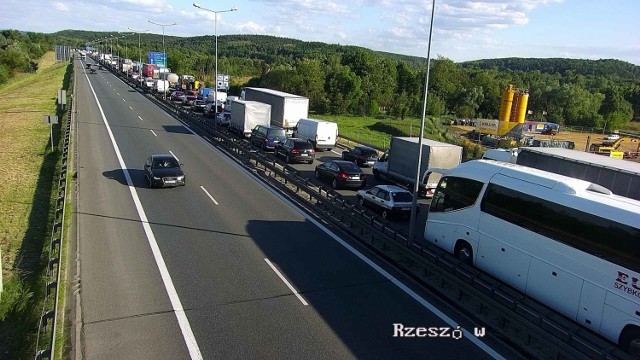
[{"x": 606, "y": 147}]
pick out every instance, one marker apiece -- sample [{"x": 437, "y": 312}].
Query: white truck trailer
[
  {"x": 246, "y": 115},
  {"x": 286, "y": 109},
  {"x": 398, "y": 164}
]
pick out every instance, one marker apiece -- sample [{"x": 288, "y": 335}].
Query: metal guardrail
[
  {"x": 48, "y": 317},
  {"x": 533, "y": 328}
]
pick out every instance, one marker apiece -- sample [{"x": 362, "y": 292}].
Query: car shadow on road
[
  {"x": 138, "y": 178},
  {"x": 176, "y": 129}
]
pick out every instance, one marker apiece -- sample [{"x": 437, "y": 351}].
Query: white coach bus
[{"x": 568, "y": 243}]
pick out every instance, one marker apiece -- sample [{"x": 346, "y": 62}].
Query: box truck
[
  {"x": 286, "y": 109},
  {"x": 246, "y": 115},
  {"x": 321, "y": 133},
  {"x": 399, "y": 163}
]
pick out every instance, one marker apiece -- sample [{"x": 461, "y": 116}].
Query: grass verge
[
  {"x": 379, "y": 130},
  {"x": 26, "y": 204}
]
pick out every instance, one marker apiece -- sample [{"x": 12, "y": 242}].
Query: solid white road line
[
  {"x": 139, "y": 117},
  {"x": 174, "y": 155},
  {"x": 183, "y": 322},
  {"x": 154, "y": 133},
  {"x": 286, "y": 282},
  {"x": 209, "y": 195}
]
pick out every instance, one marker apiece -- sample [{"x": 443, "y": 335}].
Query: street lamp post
[
  {"x": 412, "y": 223},
  {"x": 105, "y": 47},
  {"x": 139, "y": 55},
  {"x": 164, "y": 51},
  {"x": 215, "y": 80}
]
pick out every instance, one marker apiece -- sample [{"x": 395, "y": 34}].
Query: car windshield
[
  {"x": 351, "y": 167},
  {"x": 277, "y": 133},
  {"x": 303, "y": 145},
  {"x": 402, "y": 197},
  {"x": 165, "y": 163},
  {"x": 367, "y": 152}
]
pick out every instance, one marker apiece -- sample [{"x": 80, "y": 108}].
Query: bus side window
[
  {"x": 455, "y": 193},
  {"x": 437, "y": 202}
]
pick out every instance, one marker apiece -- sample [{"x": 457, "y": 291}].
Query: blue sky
[{"x": 464, "y": 29}]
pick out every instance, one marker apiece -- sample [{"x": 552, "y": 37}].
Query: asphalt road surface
[{"x": 223, "y": 267}]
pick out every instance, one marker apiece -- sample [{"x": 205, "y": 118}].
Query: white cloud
[
  {"x": 464, "y": 29},
  {"x": 60, "y": 6},
  {"x": 249, "y": 27}
]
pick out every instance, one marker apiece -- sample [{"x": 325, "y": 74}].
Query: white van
[
  {"x": 323, "y": 134},
  {"x": 160, "y": 86}
]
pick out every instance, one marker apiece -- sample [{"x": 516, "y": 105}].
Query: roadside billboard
[{"x": 487, "y": 126}]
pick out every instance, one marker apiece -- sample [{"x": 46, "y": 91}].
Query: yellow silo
[
  {"x": 506, "y": 102},
  {"x": 505, "y": 109},
  {"x": 522, "y": 107}
]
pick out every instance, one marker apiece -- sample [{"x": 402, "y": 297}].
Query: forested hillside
[
  {"x": 19, "y": 52},
  {"x": 565, "y": 67},
  {"x": 353, "y": 80}
]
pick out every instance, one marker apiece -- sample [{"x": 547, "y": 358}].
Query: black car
[
  {"x": 294, "y": 149},
  {"x": 343, "y": 174},
  {"x": 163, "y": 170},
  {"x": 266, "y": 137},
  {"x": 362, "y": 155}
]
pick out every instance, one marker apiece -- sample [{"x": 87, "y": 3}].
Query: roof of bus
[
  {"x": 578, "y": 191},
  {"x": 484, "y": 170}
]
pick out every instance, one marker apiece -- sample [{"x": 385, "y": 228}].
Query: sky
[{"x": 463, "y": 29}]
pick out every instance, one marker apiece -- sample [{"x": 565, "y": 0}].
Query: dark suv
[
  {"x": 295, "y": 149},
  {"x": 361, "y": 155},
  {"x": 266, "y": 137}
]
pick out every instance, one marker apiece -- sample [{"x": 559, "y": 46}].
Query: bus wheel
[
  {"x": 464, "y": 253},
  {"x": 630, "y": 341}
]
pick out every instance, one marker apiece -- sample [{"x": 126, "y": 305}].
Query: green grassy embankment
[
  {"x": 26, "y": 199},
  {"x": 378, "y": 131}
]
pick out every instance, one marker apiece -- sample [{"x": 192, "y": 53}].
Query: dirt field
[{"x": 580, "y": 139}]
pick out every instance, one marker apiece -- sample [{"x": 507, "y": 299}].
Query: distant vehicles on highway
[{"x": 223, "y": 118}]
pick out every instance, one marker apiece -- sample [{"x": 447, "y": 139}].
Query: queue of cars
[{"x": 163, "y": 170}]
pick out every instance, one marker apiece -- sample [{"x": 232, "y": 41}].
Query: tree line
[{"x": 341, "y": 79}]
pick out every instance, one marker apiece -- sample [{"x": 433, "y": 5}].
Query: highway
[{"x": 223, "y": 267}]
